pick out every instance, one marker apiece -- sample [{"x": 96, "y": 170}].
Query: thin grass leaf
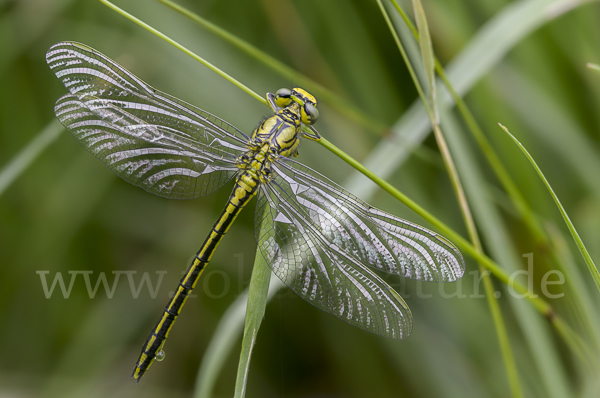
[
  {"x": 549, "y": 121},
  {"x": 321, "y": 92},
  {"x": 535, "y": 329},
  {"x": 428, "y": 60},
  {"x": 502, "y": 335},
  {"x": 389, "y": 156},
  {"x": 406, "y": 59},
  {"x": 20, "y": 162},
  {"x": 579, "y": 294},
  {"x": 198, "y": 58},
  {"x": 226, "y": 335},
  {"x": 427, "y": 56},
  {"x": 257, "y": 301},
  {"x": 578, "y": 242},
  {"x": 593, "y": 66},
  {"x": 429, "y": 63}
]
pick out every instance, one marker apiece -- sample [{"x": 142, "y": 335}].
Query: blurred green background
[{"x": 522, "y": 64}]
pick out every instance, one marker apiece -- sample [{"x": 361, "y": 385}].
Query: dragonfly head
[{"x": 306, "y": 103}]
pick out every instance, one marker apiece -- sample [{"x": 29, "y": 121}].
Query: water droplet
[{"x": 160, "y": 355}]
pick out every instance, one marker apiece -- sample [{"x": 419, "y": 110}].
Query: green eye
[{"x": 310, "y": 114}]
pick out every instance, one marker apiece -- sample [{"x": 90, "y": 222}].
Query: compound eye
[
  {"x": 284, "y": 92},
  {"x": 310, "y": 114},
  {"x": 283, "y": 97}
]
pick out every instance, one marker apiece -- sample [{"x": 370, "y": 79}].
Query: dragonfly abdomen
[{"x": 244, "y": 189}]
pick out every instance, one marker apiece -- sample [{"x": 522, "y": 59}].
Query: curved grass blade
[
  {"x": 406, "y": 59},
  {"x": 581, "y": 302},
  {"x": 257, "y": 301},
  {"x": 226, "y": 335},
  {"x": 521, "y": 206},
  {"x": 593, "y": 66},
  {"x": 535, "y": 330},
  {"x": 429, "y": 64},
  {"x": 551, "y": 121},
  {"x": 220, "y": 346},
  {"x": 20, "y": 162},
  {"x": 198, "y": 58},
  {"x": 584, "y": 253},
  {"x": 413, "y": 126},
  {"x": 321, "y": 92}
]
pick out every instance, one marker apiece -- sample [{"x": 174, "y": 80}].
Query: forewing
[
  {"x": 147, "y": 137},
  {"x": 366, "y": 234},
  {"x": 322, "y": 272}
]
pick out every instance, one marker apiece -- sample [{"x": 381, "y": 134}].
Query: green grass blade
[
  {"x": 494, "y": 160},
  {"x": 584, "y": 253},
  {"x": 225, "y": 335},
  {"x": 549, "y": 121},
  {"x": 406, "y": 59},
  {"x": 502, "y": 335},
  {"x": 429, "y": 64},
  {"x": 583, "y": 304},
  {"x": 427, "y": 56},
  {"x": 15, "y": 167},
  {"x": 593, "y": 66},
  {"x": 198, "y": 58},
  {"x": 387, "y": 156},
  {"x": 483, "y": 142},
  {"x": 224, "y": 338},
  {"x": 323, "y": 93},
  {"x": 535, "y": 330},
  {"x": 257, "y": 300}
]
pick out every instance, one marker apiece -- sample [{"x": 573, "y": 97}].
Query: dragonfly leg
[{"x": 271, "y": 100}]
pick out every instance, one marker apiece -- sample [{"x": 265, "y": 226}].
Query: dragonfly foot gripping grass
[{"x": 319, "y": 239}]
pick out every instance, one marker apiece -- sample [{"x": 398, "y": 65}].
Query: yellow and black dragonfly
[{"x": 319, "y": 239}]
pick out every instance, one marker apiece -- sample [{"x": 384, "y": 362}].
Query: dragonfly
[{"x": 320, "y": 240}]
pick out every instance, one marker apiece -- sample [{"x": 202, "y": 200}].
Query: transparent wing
[
  {"x": 321, "y": 272},
  {"x": 147, "y": 137},
  {"x": 320, "y": 239}
]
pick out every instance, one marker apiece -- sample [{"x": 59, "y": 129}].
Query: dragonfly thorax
[{"x": 281, "y": 133}]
